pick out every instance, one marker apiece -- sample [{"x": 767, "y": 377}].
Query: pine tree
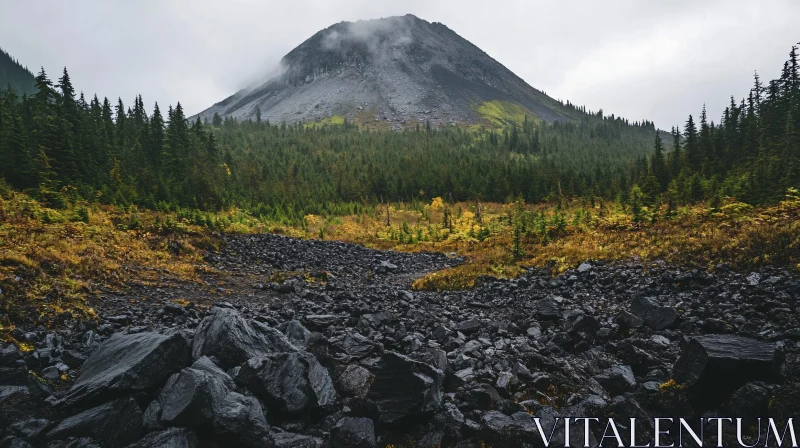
[{"x": 657, "y": 164}]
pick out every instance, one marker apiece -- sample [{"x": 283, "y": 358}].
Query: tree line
[
  {"x": 752, "y": 154},
  {"x": 60, "y": 146}
]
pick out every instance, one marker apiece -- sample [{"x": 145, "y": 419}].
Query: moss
[{"x": 504, "y": 113}]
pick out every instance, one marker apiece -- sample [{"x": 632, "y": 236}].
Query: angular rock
[
  {"x": 319, "y": 322},
  {"x": 296, "y": 333},
  {"x": 617, "y": 380},
  {"x": 189, "y": 398},
  {"x": 128, "y": 363},
  {"x": 750, "y": 401},
  {"x": 353, "y": 432},
  {"x": 654, "y": 315},
  {"x": 354, "y": 381},
  {"x": 292, "y": 440},
  {"x": 716, "y": 365},
  {"x": 113, "y": 424},
  {"x": 469, "y": 326},
  {"x": 548, "y": 308},
  {"x": 9, "y": 354},
  {"x": 226, "y": 335},
  {"x": 628, "y": 320},
  {"x": 357, "y": 346},
  {"x": 404, "y": 387},
  {"x": 292, "y": 383},
  {"x": 241, "y": 419},
  {"x": 168, "y": 438}
]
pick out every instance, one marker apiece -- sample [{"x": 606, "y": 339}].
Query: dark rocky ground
[{"x": 341, "y": 353}]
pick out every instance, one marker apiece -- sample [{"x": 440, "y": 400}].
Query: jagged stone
[
  {"x": 617, "y": 379},
  {"x": 232, "y": 339},
  {"x": 292, "y": 440},
  {"x": 405, "y": 387},
  {"x": 168, "y": 438},
  {"x": 654, "y": 315},
  {"x": 129, "y": 363},
  {"x": 716, "y": 365},
  {"x": 355, "y": 381},
  {"x": 290, "y": 382},
  {"x": 353, "y": 432},
  {"x": 114, "y": 424}
]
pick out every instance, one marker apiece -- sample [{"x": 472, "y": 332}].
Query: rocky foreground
[{"x": 340, "y": 353}]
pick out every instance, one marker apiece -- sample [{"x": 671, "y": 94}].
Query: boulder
[
  {"x": 319, "y": 322},
  {"x": 714, "y": 366},
  {"x": 750, "y": 401},
  {"x": 469, "y": 326},
  {"x": 128, "y": 363},
  {"x": 292, "y": 440},
  {"x": 296, "y": 333},
  {"x": 617, "y": 380},
  {"x": 654, "y": 315},
  {"x": 353, "y": 432},
  {"x": 548, "y": 308},
  {"x": 226, "y": 335},
  {"x": 201, "y": 397},
  {"x": 292, "y": 383},
  {"x": 189, "y": 399},
  {"x": 168, "y": 438},
  {"x": 113, "y": 424},
  {"x": 9, "y": 354},
  {"x": 404, "y": 387},
  {"x": 241, "y": 419},
  {"x": 354, "y": 381},
  {"x": 357, "y": 346}
]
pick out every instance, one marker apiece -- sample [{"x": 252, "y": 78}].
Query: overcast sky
[{"x": 637, "y": 59}]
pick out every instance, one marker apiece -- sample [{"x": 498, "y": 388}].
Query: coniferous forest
[{"x": 59, "y": 144}]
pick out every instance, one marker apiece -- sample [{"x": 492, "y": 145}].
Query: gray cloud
[{"x": 654, "y": 60}]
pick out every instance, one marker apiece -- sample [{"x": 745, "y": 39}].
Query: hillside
[
  {"x": 15, "y": 75},
  {"x": 400, "y": 70}
]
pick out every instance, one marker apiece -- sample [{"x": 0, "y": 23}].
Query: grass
[
  {"x": 51, "y": 259},
  {"x": 503, "y": 113}
]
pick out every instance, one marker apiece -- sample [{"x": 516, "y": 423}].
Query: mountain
[
  {"x": 15, "y": 75},
  {"x": 399, "y": 70}
]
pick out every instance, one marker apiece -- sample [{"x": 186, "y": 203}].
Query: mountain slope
[
  {"x": 397, "y": 69},
  {"x": 15, "y": 75}
]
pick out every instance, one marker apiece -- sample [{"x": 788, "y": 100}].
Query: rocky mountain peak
[{"x": 397, "y": 70}]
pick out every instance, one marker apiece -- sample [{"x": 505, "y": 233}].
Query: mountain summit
[{"x": 398, "y": 70}]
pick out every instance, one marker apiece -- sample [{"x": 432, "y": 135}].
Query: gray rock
[
  {"x": 357, "y": 346},
  {"x": 654, "y": 315},
  {"x": 292, "y": 383},
  {"x": 9, "y": 354},
  {"x": 319, "y": 322},
  {"x": 296, "y": 333},
  {"x": 354, "y": 381},
  {"x": 741, "y": 355},
  {"x": 292, "y": 440},
  {"x": 168, "y": 438},
  {"x": 405, "y": 387},
  {"x": 548, "y": 308},
  {"x": 114, "y": 424},
  {"x": 129, "y": 363},
  {"x": 469, "y": 326},
  {"x": 628, "y": 320},
  {"x": 32, "y": 428},
  {"x": 189, "y": 398},
  {"x": 14, "y": 442},
  {"x": 241, "y": 419},
  {"x": 226, "y": 335},
  {"x": 617, "y": 379},
  {"x": 353, "y": 432}
]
